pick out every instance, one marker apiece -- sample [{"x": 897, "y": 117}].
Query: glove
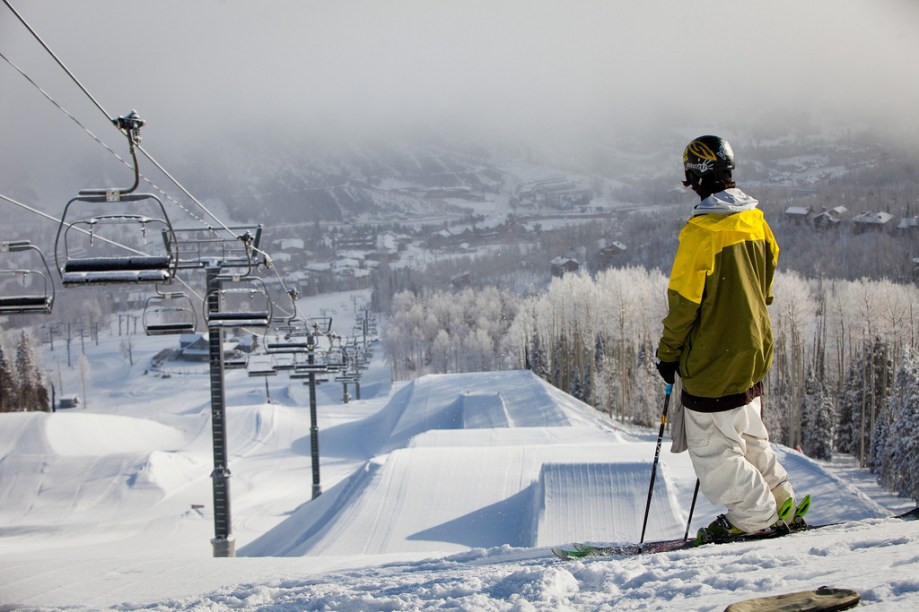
[{"x": 668, "y": 370}]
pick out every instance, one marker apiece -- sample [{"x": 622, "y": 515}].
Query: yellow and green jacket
[{"x": 717, "y": 326}]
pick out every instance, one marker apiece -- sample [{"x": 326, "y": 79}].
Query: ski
[{"x": 581, "y": 550}]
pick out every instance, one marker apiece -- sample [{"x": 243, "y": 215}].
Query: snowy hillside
[{"x": 442, "y": 492}]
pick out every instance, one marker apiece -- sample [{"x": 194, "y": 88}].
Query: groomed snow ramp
[
  {"x": 515, "y": 398},
  {"x": 603, "y": 502}
]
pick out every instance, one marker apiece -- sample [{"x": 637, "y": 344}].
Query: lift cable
[
  {"x": 97, "y": 139},
  {"x": 101, "y": 108},
  {"x": 267, "y": 258}
]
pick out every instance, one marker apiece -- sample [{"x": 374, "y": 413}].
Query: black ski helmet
[{"x": 708, "y": 158}]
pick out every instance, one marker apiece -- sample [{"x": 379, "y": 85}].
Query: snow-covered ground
[{"x": 445, "y": 492}]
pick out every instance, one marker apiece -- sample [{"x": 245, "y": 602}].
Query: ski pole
[
  {"x": 692, "y": 507},
  {"x": 657, "y": 454}
]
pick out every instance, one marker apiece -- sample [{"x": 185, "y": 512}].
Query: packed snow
[{"x": 444, "y": 492}]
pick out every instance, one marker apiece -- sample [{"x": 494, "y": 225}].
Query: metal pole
[
  {"x": 223, "y": 541},
  {"x": 314, "y": 429},
  {"x": 657, "y": 454},
  {"x": 692, "y": 507}
]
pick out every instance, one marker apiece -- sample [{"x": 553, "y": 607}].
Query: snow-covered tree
[
  {"x": 8, "y": 392},
  {"x": 31, "y": 391},
  {"x": 897, "y": 455},
  {"x": 846, "y": 432},
  {"x": 817, "y": 415}
]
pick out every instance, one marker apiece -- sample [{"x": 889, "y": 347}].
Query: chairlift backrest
[
  {"x": 25, "y": 288},
  {"x": 110, "y": 246},
  {"x": 238, "y": 301},
  {"x": 261, "y": 365},
  {"x": 199, "y": 247},
  {"x": 293, "y": 336},
  {"x": 169, "y": 313}
]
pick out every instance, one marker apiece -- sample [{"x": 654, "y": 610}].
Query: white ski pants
[{"x": 736, "y": 466}]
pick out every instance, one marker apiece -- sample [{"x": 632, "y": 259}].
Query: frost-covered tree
[
  {"x": 576, "y": 391},
  {"x": 645, "y": 406},
  {"x": 867, "y": 385},
  {"x": 8, "y": 393},
  {"x": 792, "y": 317},
  {"x": 897, "y": 456},
  {"x": 538, "y": 362},
  {"x": 846, "y": 432},
  {"x": 817, "y": 415},
  {"x": 31, "y": 391}
]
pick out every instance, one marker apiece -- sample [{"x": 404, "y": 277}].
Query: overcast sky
[{"x": 531, "y": 69}]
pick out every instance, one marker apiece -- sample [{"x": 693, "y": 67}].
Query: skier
[{"x": 718, "y": 337}]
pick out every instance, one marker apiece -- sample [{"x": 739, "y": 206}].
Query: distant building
[
  {"x": 825, "y": 220},
  {"x": 607, "y": 255},
  {"x": 461, "y": 280},
  {"x": 563, "y": 265},
  {"x": 871, "y": 220},
  {"x": 199, "y": 350},
  {"x": 798, "y": 214},
  {"x": 908, "y": 224},
  {"x": 69, "y": 401},
  {"x": 440, "y": 239}
]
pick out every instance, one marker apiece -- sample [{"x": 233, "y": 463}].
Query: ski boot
[{"x": 718, "y": 530}]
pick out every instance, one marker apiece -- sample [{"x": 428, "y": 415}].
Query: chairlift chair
[
  {"x": 90, "y": 250},
  {"x": 169, "y": 313},
  {"x": 241, "y": 301},
  {"x": 261, "y": 365},
  {"x": 25, "y": 290},
  {"x": 285, "y": 363},
  {"x": 289, "y": 337},
  {"x": 237, "y": 361}
]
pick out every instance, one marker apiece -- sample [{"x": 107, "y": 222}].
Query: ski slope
[{"x": 442, "y": 492}]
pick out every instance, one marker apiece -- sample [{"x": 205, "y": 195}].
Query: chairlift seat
[
  {"x": 24, "y": 304},
  {"x": 234, "y": 364},
  {"x": 118, "y": 264},
  {"x": 287, "y": 347},
  {"x": 163, "y": 329},
  {"x": 239, "y": 319},
  {"x": 112, "y": 270},
  {"x": 12, "y": 301}
]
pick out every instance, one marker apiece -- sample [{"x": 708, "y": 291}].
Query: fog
[{"x": 526, "y": 71}]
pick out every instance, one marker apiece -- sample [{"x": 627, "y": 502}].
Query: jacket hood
[{"x": 725, "y": 202}]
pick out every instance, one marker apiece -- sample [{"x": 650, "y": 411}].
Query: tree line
[
  {"x": 844, "y": 379},
  {"x": 22, "y": 381}
]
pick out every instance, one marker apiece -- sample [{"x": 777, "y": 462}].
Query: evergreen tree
[
  {"x": 31, "y": 381},
  {"x": 880, "y": 380},
  {"x": 576, "y": 390},
  {"x": 899, "y": 462},
  {"x": 538, "y": 358},
  {"x": 644, "y": 405},
  {"x": 8, "y": 394},
  {"x": 817, "y": 414},
  {"x": 867, "y": 386},
  {"x": 846, "y": 431},
  {"x": 587, "y": 387},
  {"x": 599, "y": 352}
]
